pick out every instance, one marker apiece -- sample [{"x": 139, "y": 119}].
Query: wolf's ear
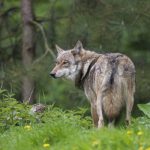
[
  {"x": 78, "y": 48},
  {"x": 59, "y": 50}
]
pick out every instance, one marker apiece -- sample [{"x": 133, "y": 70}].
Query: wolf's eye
[{"x": 65, "y": 63}]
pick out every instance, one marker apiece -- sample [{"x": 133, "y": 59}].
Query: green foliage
[
  {"x": 73, "y": 130},
  {"x": 145, "y": 108},
  {"x": 13, "y": 113},
  {"x": 9, "y": 30},
  {"x": 76, "y": 118}
]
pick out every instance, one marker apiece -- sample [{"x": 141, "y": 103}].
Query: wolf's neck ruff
[{"x": 79, "y": 81}]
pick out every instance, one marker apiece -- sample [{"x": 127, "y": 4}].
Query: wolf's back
[{"x": 119, "y": 83}]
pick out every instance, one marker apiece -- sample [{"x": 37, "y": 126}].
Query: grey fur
[{"x": 108, "y": 81}]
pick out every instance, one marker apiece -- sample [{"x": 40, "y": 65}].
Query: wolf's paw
[
  {"x": 100, "y": 123},
  {"x": 127, "y": 122}
]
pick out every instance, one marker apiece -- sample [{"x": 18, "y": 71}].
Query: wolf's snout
[{"x": 53, "y": 74}]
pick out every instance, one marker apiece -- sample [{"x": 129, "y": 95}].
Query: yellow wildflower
[
  {"x": 46, "y": 145},
  {"x": 129, "y": 132},
  {"x": 95, "y": 143},
  {"x": 27, "y": 127},
  {"x": 139, "y": 133},
  {"x": 75, "y": 148},
  {"x": 148, "y": 148},
  {"x": 140, "y": 148}
]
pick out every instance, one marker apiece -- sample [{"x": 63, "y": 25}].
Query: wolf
[{"x": 108, "y": 81}]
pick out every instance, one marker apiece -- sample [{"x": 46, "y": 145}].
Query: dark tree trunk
[{"x": 28, "y": 49}]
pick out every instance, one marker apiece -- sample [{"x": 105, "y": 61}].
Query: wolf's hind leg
[
  {"x": 94, "y": 115},
  {"x": 129, "y": 99},
  {"x": 99, "y": 111},
  {"x": 129, "y": 106}
]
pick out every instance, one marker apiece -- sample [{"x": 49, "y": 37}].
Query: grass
[{"x": 72, "y": 130}]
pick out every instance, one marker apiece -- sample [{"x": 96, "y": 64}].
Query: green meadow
[{"x": 56, "y": 129}]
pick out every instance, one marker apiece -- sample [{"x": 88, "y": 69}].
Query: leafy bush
[
  {"x": 145, "y": 108},
  {"x": 75, "y": 118},
  {"x": 143, "y": 121},
  {"x": 12, "y": 112}
]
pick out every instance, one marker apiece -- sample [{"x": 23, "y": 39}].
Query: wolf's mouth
[{"x": 53, "y": 75}]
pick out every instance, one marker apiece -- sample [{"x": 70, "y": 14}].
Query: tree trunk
[{"x": 28, "y": 49}]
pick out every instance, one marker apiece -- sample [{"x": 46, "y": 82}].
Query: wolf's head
[{"x": 68, "y": 63}]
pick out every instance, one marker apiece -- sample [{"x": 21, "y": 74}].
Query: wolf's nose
[{"x": 52, "y": 74}]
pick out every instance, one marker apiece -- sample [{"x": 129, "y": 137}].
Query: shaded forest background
[{"x": 102, "y": 25}]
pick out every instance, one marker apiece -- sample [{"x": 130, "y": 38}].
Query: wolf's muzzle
[{"x": 53, "y": 75}]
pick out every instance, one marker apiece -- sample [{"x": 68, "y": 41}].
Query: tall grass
[
  {"x": 72, "y": 131},
  {"x": 56, "y": 129}
]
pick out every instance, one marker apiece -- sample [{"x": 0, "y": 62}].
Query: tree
[{"x": 28, "y": 49}]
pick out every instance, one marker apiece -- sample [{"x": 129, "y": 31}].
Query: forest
[{"x": 29, "y": 31}]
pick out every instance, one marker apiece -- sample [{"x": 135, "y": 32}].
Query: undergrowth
[{"x": 56, "y": 129}]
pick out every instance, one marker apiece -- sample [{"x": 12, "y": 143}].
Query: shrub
[{"x": 12, "y": 113}]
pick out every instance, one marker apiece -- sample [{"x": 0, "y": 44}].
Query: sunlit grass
[{"x": 72, "y": 131}]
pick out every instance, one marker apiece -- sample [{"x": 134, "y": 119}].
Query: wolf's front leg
[
  {"x": 99, "y": 111},
  {"x": 94, "y": 114}
]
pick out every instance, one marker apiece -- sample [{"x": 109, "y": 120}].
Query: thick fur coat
[{"x": 108, "y": 80}]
